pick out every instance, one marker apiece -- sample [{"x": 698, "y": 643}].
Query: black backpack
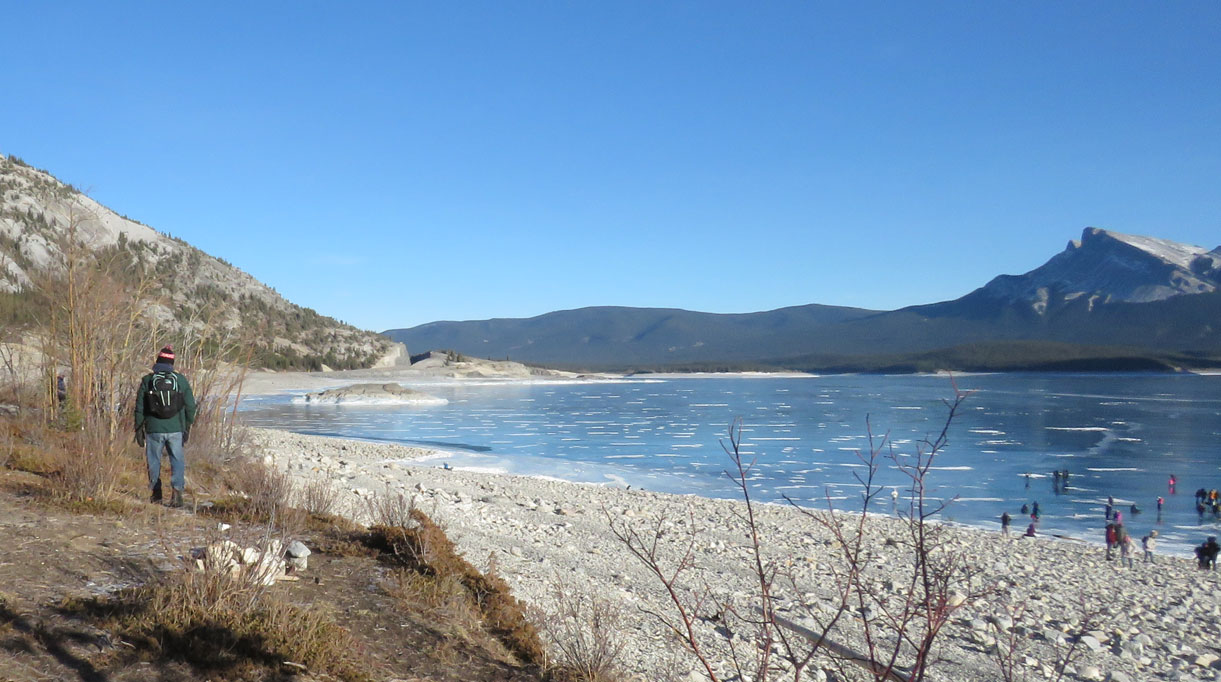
[{"x": 164, "y": 398}]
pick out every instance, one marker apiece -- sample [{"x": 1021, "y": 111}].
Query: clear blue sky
[{"x": 396, "y": 163}]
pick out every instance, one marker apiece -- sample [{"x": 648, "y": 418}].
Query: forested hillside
[{"x": 48, "y": 228}]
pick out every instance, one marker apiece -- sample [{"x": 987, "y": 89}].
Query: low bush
[
  {"x": 318, "y": 497},
  {"x": 585, "y": 634},
  {"x": 78, "y": 467},
  {"x": 258, "y": 493},
  {"x": 392, "y": 510},
  {"x": 217, "y": 622},
  {"x": 423, "y": 547}
]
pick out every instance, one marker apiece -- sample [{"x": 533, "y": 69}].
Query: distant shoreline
[{"x": 272, "y": 383}]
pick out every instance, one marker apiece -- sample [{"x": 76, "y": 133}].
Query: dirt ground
[{"x": 48, "y": 554}]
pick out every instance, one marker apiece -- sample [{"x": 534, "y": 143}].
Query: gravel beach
[{"x": 1159, "y": 620}]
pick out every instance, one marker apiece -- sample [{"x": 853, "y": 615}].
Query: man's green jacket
[{"x": 153, "y": 424}]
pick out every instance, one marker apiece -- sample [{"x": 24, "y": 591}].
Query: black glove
[
  {"x": 186, "y": 435},
  {"x": 140, "y": 435}
]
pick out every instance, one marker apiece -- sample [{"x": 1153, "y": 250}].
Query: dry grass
[
  {"x": 89, "y": 471},
  {"x": 78, "y": 471},
  {"x": 229, "y": 626},
  {"x": 423, "y": 548},
  {"x": 8, "y": 446}
]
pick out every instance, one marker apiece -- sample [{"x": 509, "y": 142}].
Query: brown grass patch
[
  {"x": 225, "y": 627},
  {"x": 80, "y": 471},
  {"x": 424, "y": 548}
]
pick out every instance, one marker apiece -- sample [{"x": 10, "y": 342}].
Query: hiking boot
[
  {"x": 176, "y": 499},
  {"x": 156, "y": 493}
]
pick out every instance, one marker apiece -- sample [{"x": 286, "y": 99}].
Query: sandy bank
[{"x": 1159, "y": 621}]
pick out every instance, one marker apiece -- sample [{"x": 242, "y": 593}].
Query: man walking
[{"x": 165, "y": 410}]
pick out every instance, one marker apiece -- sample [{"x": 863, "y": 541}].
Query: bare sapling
[
  {"x": 855, "y": 614},
  {"x": 91, "y": 323},
  {"x": 584, "y": 631},
  {"x": 900, "y": 625}
]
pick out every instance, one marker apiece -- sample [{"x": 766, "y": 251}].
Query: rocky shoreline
[
  {"x": 1153, "y": 621},
  {"x": 370, "y": 394}
]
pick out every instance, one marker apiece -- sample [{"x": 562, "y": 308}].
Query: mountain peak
[
  {"x": 1112, "y": 267},
  {"x": 1179, "y": 254}
]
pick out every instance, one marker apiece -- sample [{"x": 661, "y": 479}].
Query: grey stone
[{"x": 298, "y": 550}]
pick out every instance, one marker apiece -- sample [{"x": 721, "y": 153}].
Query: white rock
[{"x": 297, "y": 549}]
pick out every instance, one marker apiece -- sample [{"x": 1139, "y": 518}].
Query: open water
[{"x": 1117, "y": 435}]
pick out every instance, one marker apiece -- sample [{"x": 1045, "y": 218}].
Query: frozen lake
[{"x": 1117, "y": 435}]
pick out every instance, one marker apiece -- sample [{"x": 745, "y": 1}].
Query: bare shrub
[
  {"x": 586, "y": 633},
  {"x": 318, "y": 496},
  {"x": 262, "y": 493},
  {"x": 391, "y": 509},
  {"x": 896, "y": 613},
  {"x": 214, "y": 447},
  {"x": 87, "y": 470}
]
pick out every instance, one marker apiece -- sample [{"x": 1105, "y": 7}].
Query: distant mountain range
[{"x": 1108, "y": 301}]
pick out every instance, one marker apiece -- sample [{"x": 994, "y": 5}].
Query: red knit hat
[{"x": 166, "y": 355}]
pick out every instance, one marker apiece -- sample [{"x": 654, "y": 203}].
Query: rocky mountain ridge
[
  {"x": 1109, "y": 295},
  {"x": 39, "y": 216},
  {"x": 1111, "y": 267}
]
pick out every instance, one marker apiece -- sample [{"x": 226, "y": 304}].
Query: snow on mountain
[{"x": 1111, "y": 267}]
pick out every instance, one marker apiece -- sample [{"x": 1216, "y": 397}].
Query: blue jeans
[{"x": 153, "y": 444}]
